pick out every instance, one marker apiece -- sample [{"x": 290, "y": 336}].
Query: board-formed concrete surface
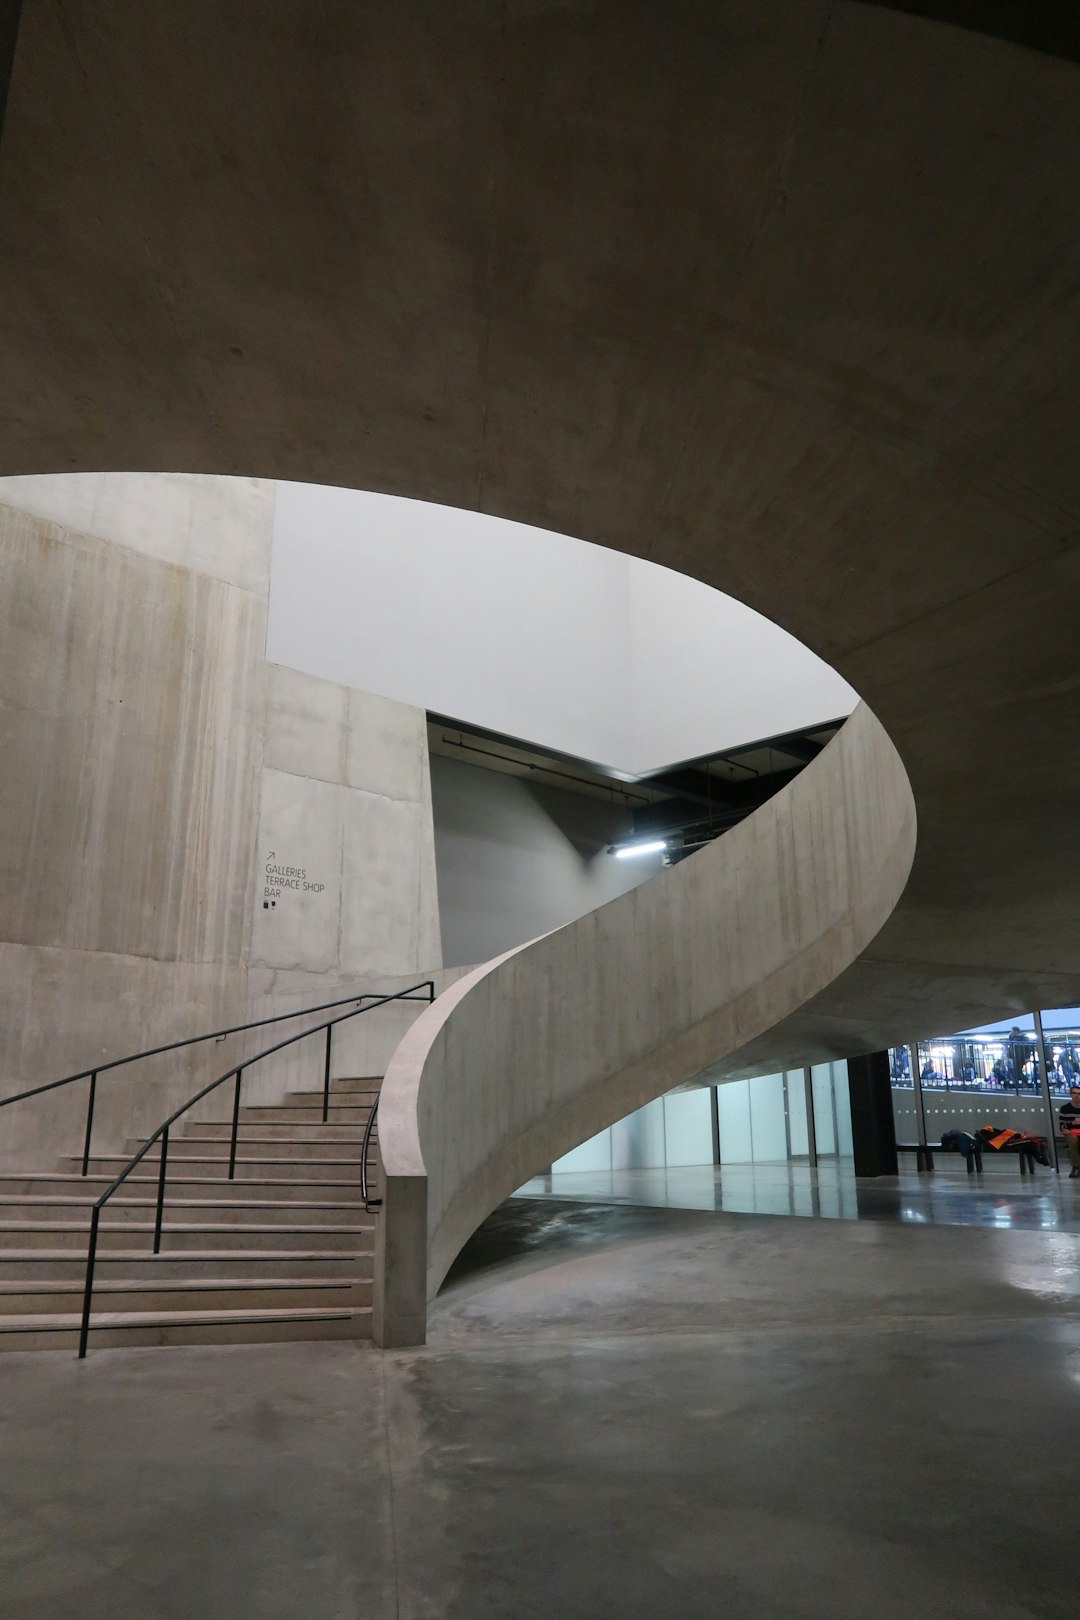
[
  {"x": 645, "y": 1414},
  {"x": 154, "y": 766},
  {"x": 779, "y": 294},
  {"x": 533, "y": 1053}
]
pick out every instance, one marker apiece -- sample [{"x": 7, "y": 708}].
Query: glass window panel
[
  {"x": 796, "y": 1109},
  {"x": 595, "y": 1154},
  {"x": 733, "y": 1107},
  {"x": 1061, "y": 1027},
  {"x": 688, "y": 1127},
  {"x": 637, "y": 1142},
  {"x": 824, "y": 1118},
  {"x": 767, "y": 1125},
  {"x": 900, "y": 1068},
  {"x": 994, "y": 1058},
  {"x": 842, "y": 1103}
]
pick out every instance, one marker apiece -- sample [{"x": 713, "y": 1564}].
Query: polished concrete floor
[
  {"x": 623, "y": 1412},
  {"x": 998, "y": 1197}
]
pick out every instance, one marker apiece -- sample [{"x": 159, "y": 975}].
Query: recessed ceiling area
[{"x": 687, "y": 805}]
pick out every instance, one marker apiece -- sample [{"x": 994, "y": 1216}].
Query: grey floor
[
  {"x": 623, "y": 1411},
  {"x": 998, "y": 1197}
]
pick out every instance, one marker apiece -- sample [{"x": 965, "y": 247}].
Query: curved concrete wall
[{"x": 532, "y": 1053}]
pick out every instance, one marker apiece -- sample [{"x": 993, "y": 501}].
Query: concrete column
[
  {"x": 399, "y": 1317},
  {"x": 872, "y": 1129}
]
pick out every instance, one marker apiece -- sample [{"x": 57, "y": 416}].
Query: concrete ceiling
[{"x": 781, "y": 293}]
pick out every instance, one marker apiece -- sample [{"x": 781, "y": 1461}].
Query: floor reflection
[{"x": 999, "y": 1198}]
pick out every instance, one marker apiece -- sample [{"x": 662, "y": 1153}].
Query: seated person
[{"x": 1069, "y": 1125}]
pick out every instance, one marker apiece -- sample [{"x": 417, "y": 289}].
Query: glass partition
[
  {"x": 900, "y": 1068},
  {"x": 986, "y": 1076},
  {"x": 1061, "y": 1027},
  {"x": 990, "y": 1075},
  {"x": 798, "y": 1133},
  {"x": 832, "y": 1110}
]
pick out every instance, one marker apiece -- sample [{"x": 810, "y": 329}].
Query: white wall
[
  {"x": 516, "y": 860},
  {"x": 545, "y": 638}
]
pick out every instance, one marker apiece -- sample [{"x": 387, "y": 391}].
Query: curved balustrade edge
[{"x": 536, "y": 1051}]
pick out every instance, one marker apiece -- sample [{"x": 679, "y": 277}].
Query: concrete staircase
[{"x": 284, "y": 1251}]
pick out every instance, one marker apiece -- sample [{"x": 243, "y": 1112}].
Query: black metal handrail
[
  {"x": 368, "y": 1201},
  {"x": 232, "y": 1073},
  {"x": 175, "y": 1046}
]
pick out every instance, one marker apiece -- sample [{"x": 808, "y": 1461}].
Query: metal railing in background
[
  {"x": 175, "y": 1046},
  {"x": 236, "y": 1074}
]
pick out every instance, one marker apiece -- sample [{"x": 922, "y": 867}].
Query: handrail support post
[
  {"x": 161, "y": 1189},
  {"x": 326, "y": 1076},
  {"x": 88, "y": 1290},
  {"x": 235, "y": 1123},
  {"x": 89, "y": 1123}
]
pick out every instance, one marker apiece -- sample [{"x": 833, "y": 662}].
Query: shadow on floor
[{"x": 542, "y": 1231}]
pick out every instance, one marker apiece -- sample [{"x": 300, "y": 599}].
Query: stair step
[
  {"x": 271, "y": 1130},
  {"x": 69, "y": 1265},
  {"x": 283, "y": 1250},
  {"x": 122, "y": 1328},
  {"x": 73, "y": 1234},
  {"x": 183, "y": 1185},
  {"x": 195, "y": 1167},
  {"x": 123, "y": 1209},
  {"x": 44, "y": 1297},
  {"x": 321, "y": 1146},
  {"x": 340, "y": 1099},
  {"x": 298, "y": 1114}
]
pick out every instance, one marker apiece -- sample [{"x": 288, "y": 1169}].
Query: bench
[
  {"x": 1025, "y": 1152},
  {"x": 924, "y": 1154}
]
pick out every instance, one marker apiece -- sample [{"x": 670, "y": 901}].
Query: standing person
[
  {"x": 1069, "y": 1125},
  {"x": 1021, "y": 1052}
]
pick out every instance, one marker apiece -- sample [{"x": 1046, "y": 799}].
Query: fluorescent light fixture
[{"x": 655, "y": 848}]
